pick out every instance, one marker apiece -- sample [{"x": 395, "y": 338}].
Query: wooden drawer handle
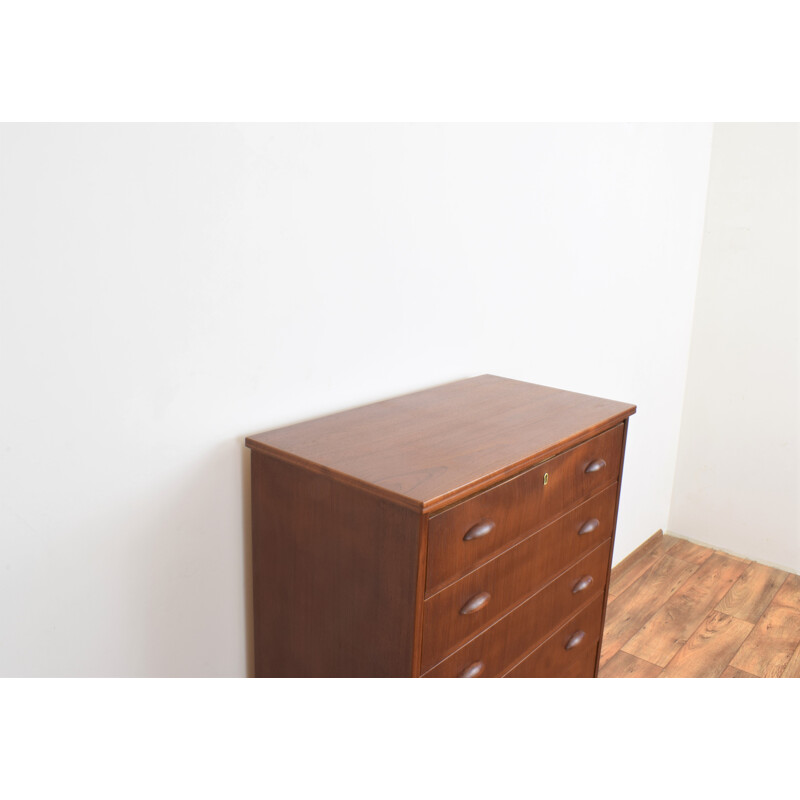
[
  {"x": 575, "y": 640},
  {"x": 475, "y": 604},
  {"x": 473, "y": 670},
  {"x": 590, "y": 526},
  {"x": 595, "y": 466},
  {"x": 479, "y": 531},
  {"x": 584, "y": 583}
]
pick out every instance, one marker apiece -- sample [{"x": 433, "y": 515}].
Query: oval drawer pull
[
  {"x": 575, "y": 640},
  {"x": 590, "y": 526},
  {"x": 595, "y": 466},
  {"x": 479, "y": 531},
  {"x": 584, "y": 583},
  {"x": 475, "y": 604},
  {"x": 473, "y": 670}
]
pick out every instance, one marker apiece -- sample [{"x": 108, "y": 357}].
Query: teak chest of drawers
[{"x": 460, "y": 531}]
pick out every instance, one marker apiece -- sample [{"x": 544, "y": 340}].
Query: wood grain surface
[
  {"x": 525, "y": 503},
  {"x": 513, "y": 575},
  {"x": 753, "y": 592},
  {"x": 728, "y": 617},
  {"x": 509, "y": 638},
  {"x": 437, "y": 446},
  {"x": 793, "y": 667},
  {"x": 709, "y": 648},
  {"x": 633, "y": 608},
  {"x": 771, "y": 645},
  {"x": 555, "y": 659},
  {"x": 680, "y": 616},
  {"x": 732, "y": 672},
  {"x": 688, "y": 551},
  {"x": 639, "y": 561},
  {"x": 624, "y": 665},
  {"x": 319, "y": 598}
]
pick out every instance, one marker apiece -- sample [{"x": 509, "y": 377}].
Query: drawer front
[
  {"x": 469, "y": 533},
  {"x": 496, "y": 649},
  {"x": 571, "y": 652},
  {"x": 459, "y": 611}
]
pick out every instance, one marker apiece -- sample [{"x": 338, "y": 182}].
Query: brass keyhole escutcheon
[{"x": 546, "y": 476}]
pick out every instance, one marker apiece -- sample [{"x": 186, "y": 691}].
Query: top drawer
[{"x": 461, "y": 537}]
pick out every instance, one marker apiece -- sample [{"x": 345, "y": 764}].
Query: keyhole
[{"x": 546, "y": 476}]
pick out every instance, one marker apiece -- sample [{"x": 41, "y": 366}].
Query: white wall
[
  {"x": 736, "y": 482},
  {"x": 167, "y": 290}
]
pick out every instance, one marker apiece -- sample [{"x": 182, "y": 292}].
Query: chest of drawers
[{"x": 460, "y": 531}]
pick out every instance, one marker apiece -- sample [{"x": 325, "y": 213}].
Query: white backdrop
[
  {"x": 167, "y": 290},
  {"x": 737, "y": 482}
]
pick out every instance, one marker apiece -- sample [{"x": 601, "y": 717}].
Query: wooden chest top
[{"x": 434, "y": 447}]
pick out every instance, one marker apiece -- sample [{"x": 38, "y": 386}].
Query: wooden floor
[{"x": 679, "y": 610}]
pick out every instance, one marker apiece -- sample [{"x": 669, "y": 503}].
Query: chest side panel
[{"x": 335, "y": 576}]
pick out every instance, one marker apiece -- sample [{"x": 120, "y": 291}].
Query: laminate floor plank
[
  {"x": 771, "y": 645},
  {"x": 689, "y": 551},
  {"x": 748, "y": 598},
  {"x": 623, "y": 665},
  {"x": 677, "y": 609},
  {"x": 732, "y": 672},
  {"x": 668, "y": 630},
  {"x": 632, "y": 608},
  {"x": 793, "y": 667},
  {"x": 638, "y": 562},
  {"x": 710, "y": 648}
]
